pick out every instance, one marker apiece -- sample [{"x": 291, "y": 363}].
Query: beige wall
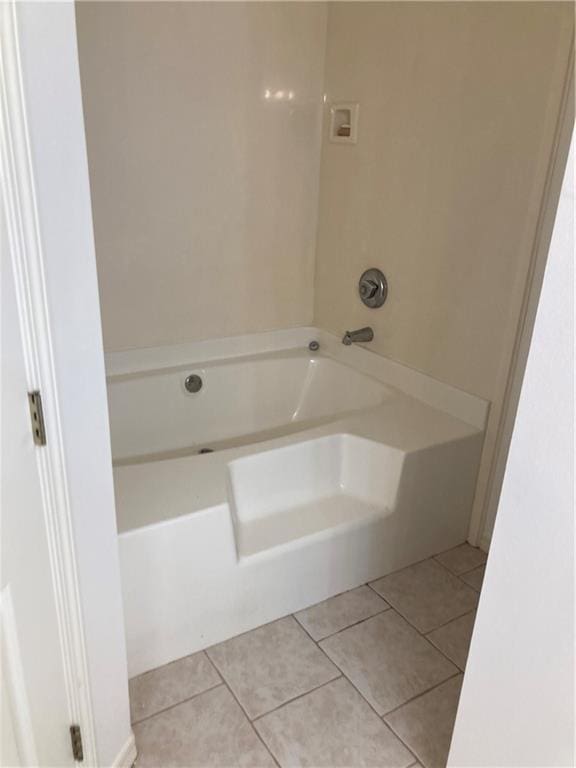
[
  {"x": 204, "y": 191},
  {"x": 440, "y": 191}
]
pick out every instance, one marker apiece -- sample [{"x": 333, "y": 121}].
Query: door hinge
[
  {"x": 37, "y": 417},
  {"x": 76, "y": 739}
]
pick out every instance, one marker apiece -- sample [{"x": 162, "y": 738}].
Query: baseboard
[{"x": 127, "y": 755}]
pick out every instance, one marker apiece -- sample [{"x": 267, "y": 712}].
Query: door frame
[
  {"x": 44, "y": 191},
  {"x": 481, "y": 529},
  {"x": 25, "y": 245}
]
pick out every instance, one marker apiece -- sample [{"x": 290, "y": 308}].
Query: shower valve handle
[{"x": 368, "y": 289}]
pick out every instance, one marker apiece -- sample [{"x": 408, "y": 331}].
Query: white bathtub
[
  {"x": 241, "y": 400},
  {"x": 328, "y": 470}
]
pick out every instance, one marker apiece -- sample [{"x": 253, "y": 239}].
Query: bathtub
[
  {"x": 247, "y": 400},
  {"x": 288, "y": 477}
]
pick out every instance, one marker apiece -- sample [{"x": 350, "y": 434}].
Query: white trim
[
  {"x": 25, "y": 241},
  {"x": 127, "y": 755},
  {"x": 13, "y": 679},
  {"x": 539, "y": 257}
]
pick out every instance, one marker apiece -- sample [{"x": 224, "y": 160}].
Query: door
[
  {"x": 62, "y": 623},
  {"x": 35, "y": 716}
]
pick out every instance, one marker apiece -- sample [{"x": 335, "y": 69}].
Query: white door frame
[
  {"x": 25, "y": 241},
  {"x": 45, "y": 194},
  {"x": 481, "y": 532}
]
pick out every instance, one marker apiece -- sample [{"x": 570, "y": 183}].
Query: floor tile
[
  {"x": 209, "y": 730},
  {"x": 426, "y": 724},
  {"x": 453, "y": 639},
  {"x": 427, "y": 594},
  {"x": 340, "y": 612},
  {"x": 271, "y": 665},
  {"x": 474, "y": 578},
  {"x": 462, "y": 559},
  {"x": 332, "y": 726},
  {"x": 387, "y": 660},
  {"x": 171, "y": 684}
]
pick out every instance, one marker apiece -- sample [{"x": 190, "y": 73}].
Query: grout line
[
  {"x": 445, "y": 567},
  {"x": 392, "y": 711},
  {"x": 344, "y": 676},
  {"x": 246, "y": 632},
  {"x": 458, "y": 575},
  {"x": 168, "y": 664},
  {"x": 422, "y": 693},
  {"x": 253, "y": 720},
  {"x": 470, "y": 585},
  {"x": 228, "y": 685},
  {"x": 404, "y": 568},
  {"x": 332, "y": 597},
  {"x": 176, "y": 704},
  {"x": 382, "y": 717},
  {"x": 260, "y": 739},
  {"x": 304, "y": 628},
  {"x": 426, "y": 637},
  {"x": 300, "y": 696},
  {"x": 456, "y": 667},
  {"x": 441, "y": 626},
  {"x": 338, "y": 631},
  {"x": 478, "y": 591},
  {"x": 418, "y": 760},
  {"x": 480, "y": 565},
  {"x": 213, "y": 665},
  {"x": 374, "y": 589},
  {"x": 378, "y": 715},
  {"x": 440, "y": 651},
  {"x": 317, "y": 642},
  {"x": 462, "y": 669},
  {"x": 421, "y": 632}
]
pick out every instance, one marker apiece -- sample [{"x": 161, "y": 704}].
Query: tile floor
[{"x": 371, "y": 677}]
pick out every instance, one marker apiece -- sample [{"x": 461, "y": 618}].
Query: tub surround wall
[
  {"x": 458, "y": 109},
  {"x": 203, "y": 124},
  {"x": 442, "y": 188}
]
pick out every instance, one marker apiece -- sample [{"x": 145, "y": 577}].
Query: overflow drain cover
[{"x": 193, "y": 383}]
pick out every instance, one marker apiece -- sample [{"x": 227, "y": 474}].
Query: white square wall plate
[{"x": 344, "y": 118}]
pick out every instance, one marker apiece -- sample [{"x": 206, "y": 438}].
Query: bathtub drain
[{"x": 206, "y": 450}]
